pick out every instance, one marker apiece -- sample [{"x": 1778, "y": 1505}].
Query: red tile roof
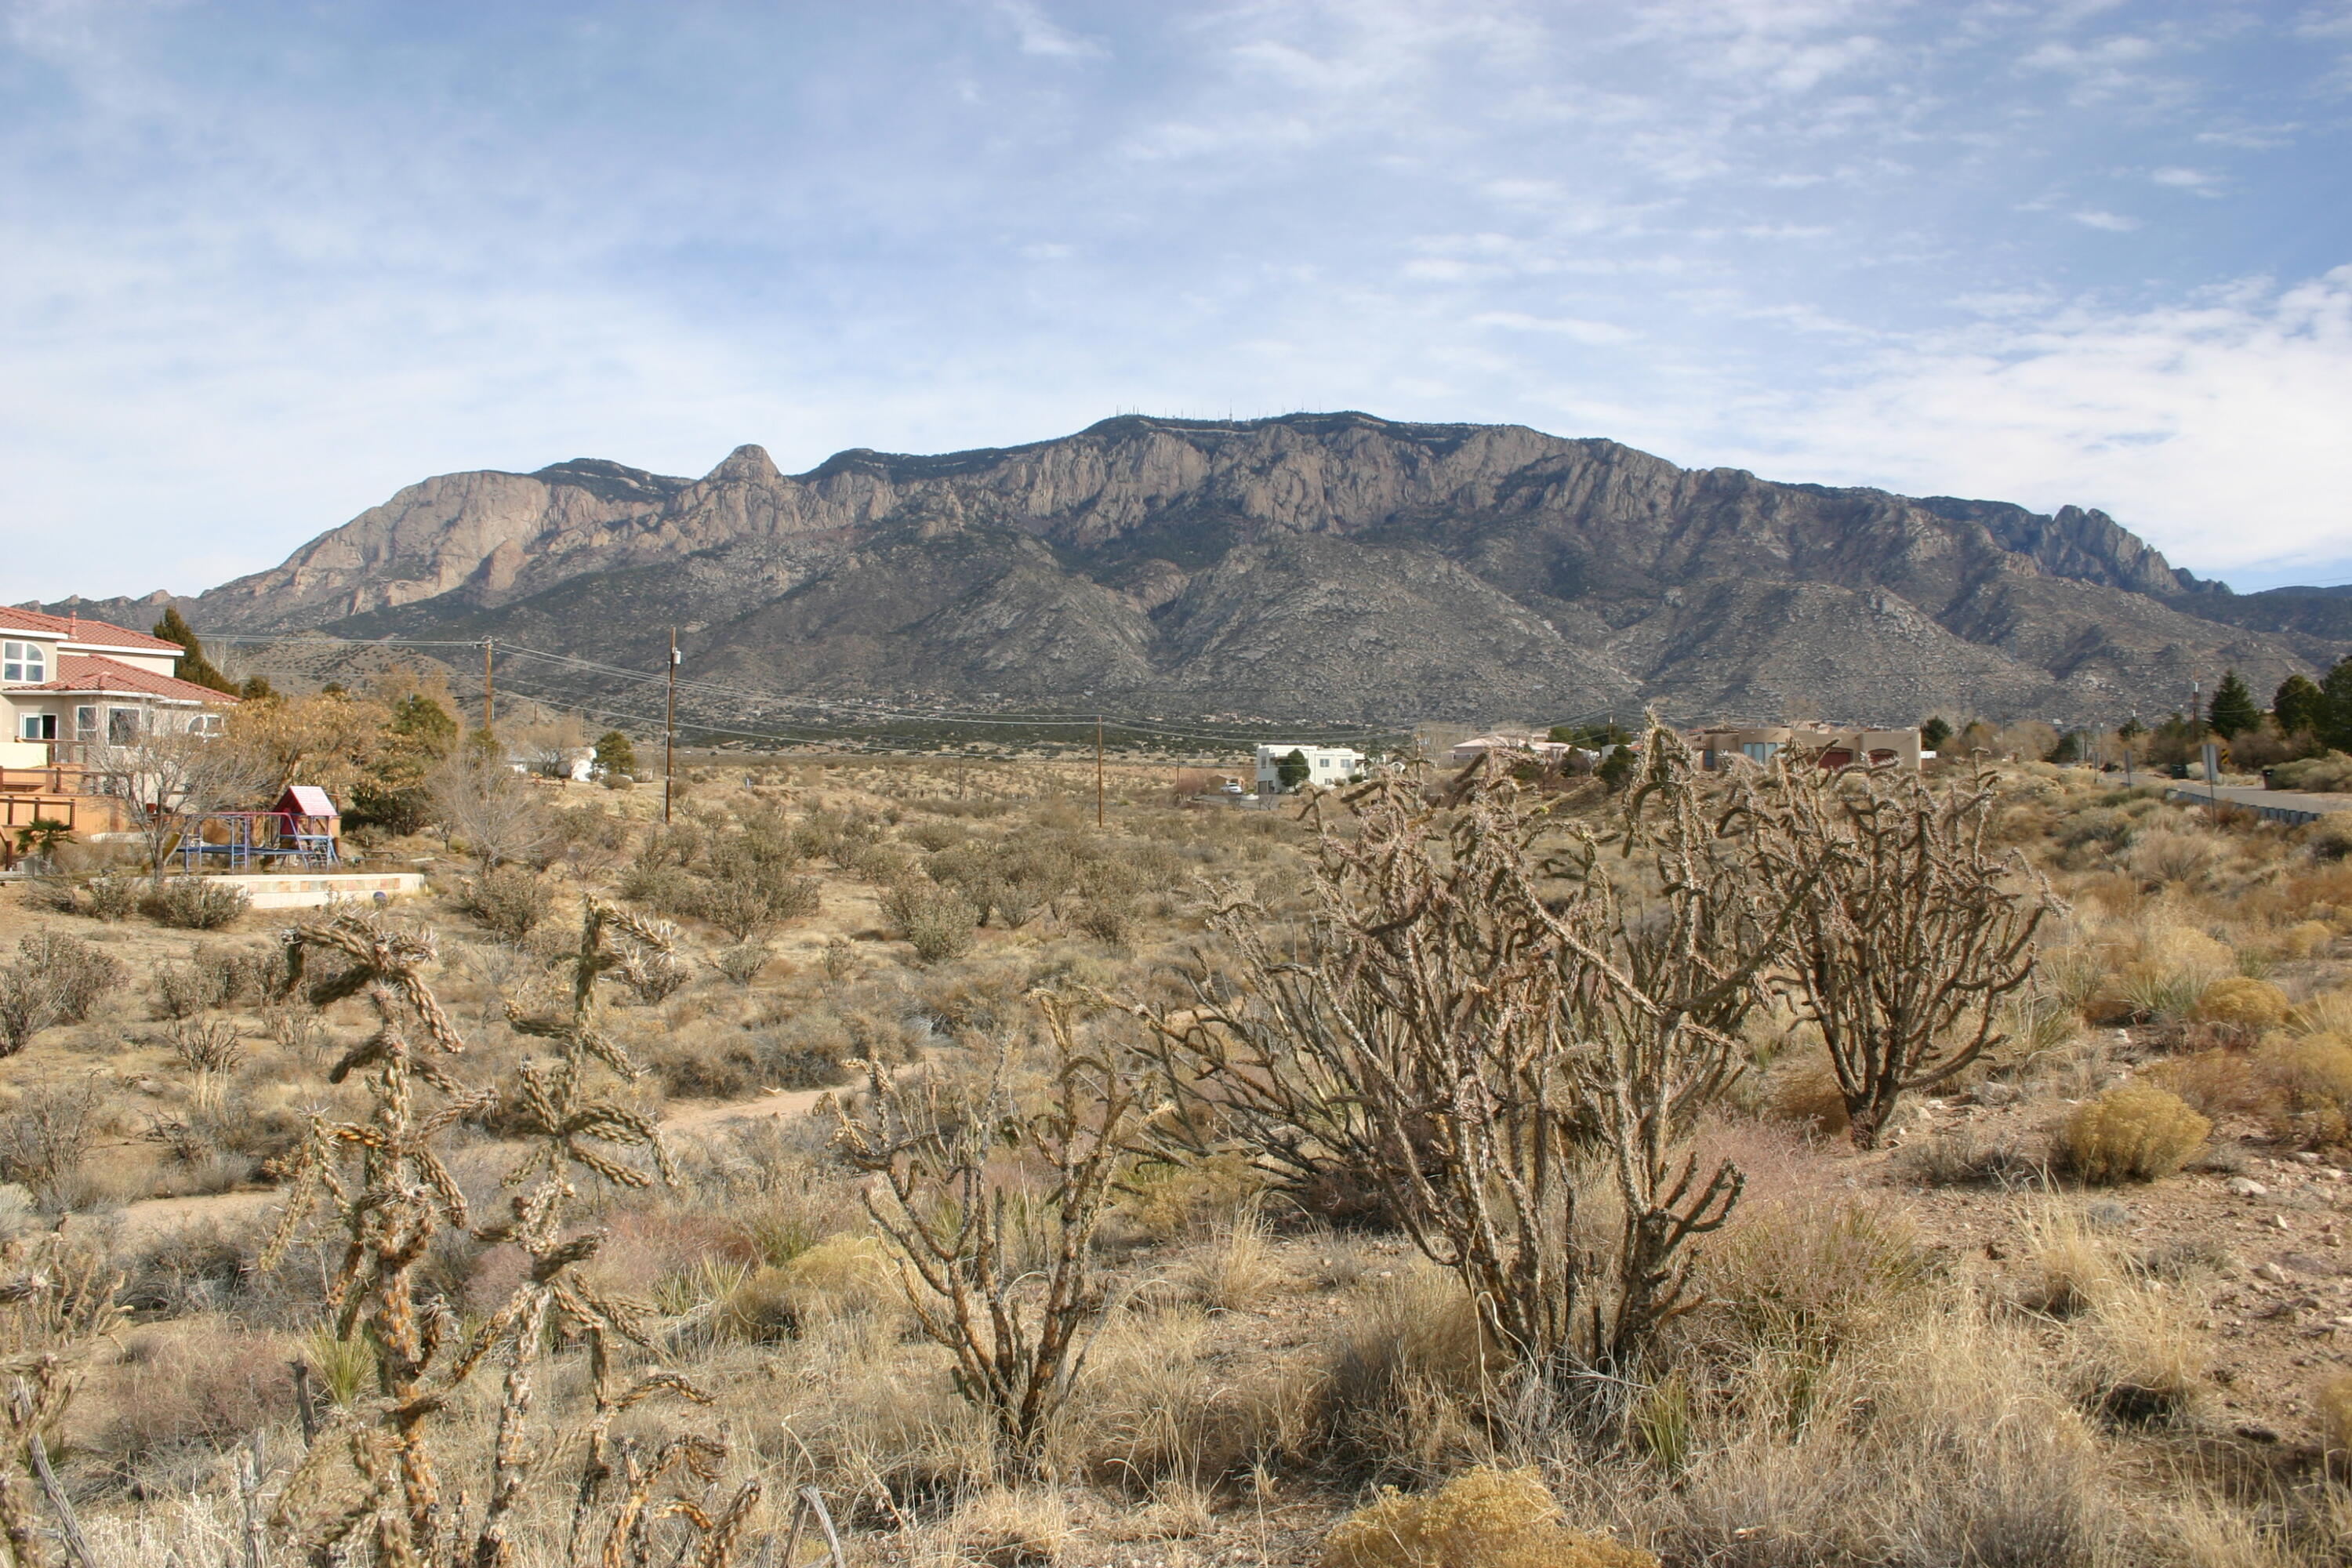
[
  {"x": 73, "y": 628},
  {"x": 78, "y": 673}
]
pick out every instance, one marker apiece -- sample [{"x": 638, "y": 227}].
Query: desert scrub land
[{"x": 1441, "y": 1175}]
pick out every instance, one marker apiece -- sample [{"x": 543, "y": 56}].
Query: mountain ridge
[{"x": 1333, "y": 565}]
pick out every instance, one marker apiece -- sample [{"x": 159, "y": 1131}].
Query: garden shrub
[
  {"x": 1485, "y": 1518},
  {"x": 2135, "y": 1131},
  {"x": 114, "y": 895}
]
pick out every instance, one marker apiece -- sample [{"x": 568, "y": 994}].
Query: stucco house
[
  {"x": 1325, "y": 765},
  {"x": 72, "y": 689},
  {"x": 75, "y": 696}
]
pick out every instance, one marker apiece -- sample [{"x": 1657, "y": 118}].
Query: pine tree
[
  {"x": 2233, "y": 712},
  {"x": 195, "y": 668},
  {"x": 1291, "y": 772},
  {"x": 2335, "y": 723},
  {"x": 614, "y": 754},
  {"x": 2299, "y": 704},
  {"x": 1934, "y": 734}
]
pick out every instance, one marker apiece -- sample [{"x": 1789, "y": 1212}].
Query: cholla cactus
[{"x": 370, "y": 1487}]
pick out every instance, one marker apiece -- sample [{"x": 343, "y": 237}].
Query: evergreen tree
[
  {"x": 2130, "y": 729},
  {"x": 2232, "y": 710},
  {"x": 2069, "y": 747},
  {"x": 614, "y": 754},
  {"x": 2299, "y": 704},
  {"x": 1934, "y": 734},
  {"x": 1291, "y": 772},
  {"x": 2335, "y": 725},
  {"x": 257, "y": 689},
  {"x": 195, "y": 668}
]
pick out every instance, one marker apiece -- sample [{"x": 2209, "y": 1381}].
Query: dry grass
[{"x": 1858, "y": 1392}]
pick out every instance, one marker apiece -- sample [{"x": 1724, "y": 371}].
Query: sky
[{"x": 262, "y": 263}]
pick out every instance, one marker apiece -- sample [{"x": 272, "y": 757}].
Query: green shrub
[
  {"x": 2135, "y": 1131},
  {"x": 939, "y": 922},
  {"x": 198, "y": 904},
  {"x": 510, "y": 900}
]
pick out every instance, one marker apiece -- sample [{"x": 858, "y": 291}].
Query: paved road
[{"x": 2278, "y": 805}]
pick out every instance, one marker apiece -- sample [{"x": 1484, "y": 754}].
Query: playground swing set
[{"x": 301, "y": 830}]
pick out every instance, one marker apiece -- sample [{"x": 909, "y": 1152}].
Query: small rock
[
  {"x": 2307, "y": 1157},
  {"x": 2272, "y": 1272},
  {"x": 2254, "y": 1433},
  {"x": 2278, "y": 1221},
  {"x": 2246, "y": 1187}
]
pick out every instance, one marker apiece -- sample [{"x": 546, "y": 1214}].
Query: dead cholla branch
[
  {"x": 1498, "y": 1049},
  {"x": 371, "y": 1488},
  {"x": 1910, "y": 940},
  {"x": 57, "y": 1303},
  {"x": 948, "y": 1166}
]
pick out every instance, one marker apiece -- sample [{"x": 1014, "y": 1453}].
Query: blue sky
[{"x": 262, "y": 263}]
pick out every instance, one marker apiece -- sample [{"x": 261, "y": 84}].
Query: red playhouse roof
[{"x": 305, "y": 800}]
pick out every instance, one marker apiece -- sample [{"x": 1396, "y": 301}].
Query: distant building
[
  {"x": 1539, "y": 747},
  {"x": 1325, "y": 765},
  {"x": 1832, "y": 745}
]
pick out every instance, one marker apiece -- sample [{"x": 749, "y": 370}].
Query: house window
[
  {"x": 122, "y": 726},
  {"x": 1760, "y": 751},
  {"x": 23, "y": 661},
  {"x": 204, "y": 725},
  {"x": 38, "y": 727},
  {"x": 86, "y": 722}
]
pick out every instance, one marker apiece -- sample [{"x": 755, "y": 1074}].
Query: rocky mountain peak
[{"x": 1319, "y": 564}]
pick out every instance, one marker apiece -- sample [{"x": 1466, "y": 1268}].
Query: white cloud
[
  {"x": 1599, "y": 335},
  {"x": 1039, "y": 34},
  {"x": 2194, "y": 180},
  {"x": 2215, "y": 429},
  {"x": 2114, "y": 222}
]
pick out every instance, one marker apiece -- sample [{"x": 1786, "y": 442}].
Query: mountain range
[{"x": 1335, "y": 567}]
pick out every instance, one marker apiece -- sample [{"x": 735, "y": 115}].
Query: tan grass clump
[
  {"x": 1485, "y": 1518},
  {"x": 2333, "y": 1400},
  {"x": 840, "y": 1277},
  {"x": 2135, "y": 1131},
  {"x": 2307, "y": 940},
  {"x": 2244, "y": 1002}
]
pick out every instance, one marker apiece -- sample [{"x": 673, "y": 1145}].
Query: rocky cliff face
[{"x": 1337, "y": 566}]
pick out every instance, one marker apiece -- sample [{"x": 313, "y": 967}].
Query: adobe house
[{"x": 76, "y": 697}]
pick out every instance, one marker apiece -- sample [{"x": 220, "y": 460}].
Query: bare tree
[
  {"x": 488, "y": 810},
  {"x": 172, "y": 777},
  {"x": 1019, "y": 1346},
  {"x": 1487, "y": 1035},
  {"x": 1910, "y": 938}
]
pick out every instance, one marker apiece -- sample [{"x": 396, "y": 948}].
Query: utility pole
[
  {"x": 1098, "y": 773},
  {"x": 489, "y": 685},
  {"x": 669, "y": 731}
]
